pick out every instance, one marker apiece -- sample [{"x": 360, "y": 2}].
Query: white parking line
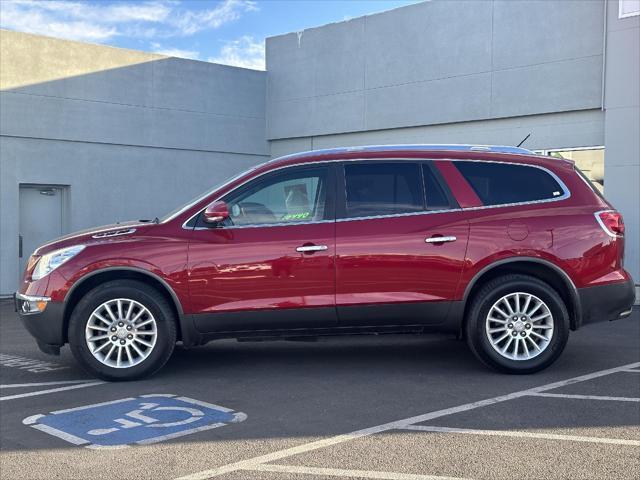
[
  {"x": 67, "y": 436},
  {"x": 338, "y": 472},
  {"x": 29, "y": 364},
  {"x": 170, "y": 436},
  {"x": 507, "y": 433},
  {"x": 50, "y": 390},
  {"x": 399, "y": 424},
  {"x": 86, "y": 407},
  {"x": 42, "y": 384},
  {"x": 586, "y": 397}
]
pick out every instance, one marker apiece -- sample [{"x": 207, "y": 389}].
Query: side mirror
[{"x": 216, "y": 212}]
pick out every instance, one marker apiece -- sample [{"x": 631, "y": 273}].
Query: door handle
[
  {"x": 440, "y": 239},
  {"x": 19, "y": 246},
  {"x": 311, "y": 248}
]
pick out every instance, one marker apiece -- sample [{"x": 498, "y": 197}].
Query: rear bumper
[
  {"x": 46, "y": 326},
  {"x": 607, "y": 302}
]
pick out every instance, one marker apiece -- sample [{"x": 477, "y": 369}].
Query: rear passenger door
[{"x": 400, "y": 244}]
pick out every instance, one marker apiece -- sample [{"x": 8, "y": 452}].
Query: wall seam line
[
  {"x": 416, "y": 82},
  {"x": 133, "y": 145},
  {"x": 133, "y": 105}
]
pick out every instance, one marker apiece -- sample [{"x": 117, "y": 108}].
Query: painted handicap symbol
[
  {"x": 194, "y": 416},
  {"x": 142, "y": 420}
]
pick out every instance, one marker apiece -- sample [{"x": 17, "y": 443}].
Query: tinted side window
[
  {"x": 437, "y": 199},
  {"x": 382, "y": 189},
  {"x": 500, "y": 183},
  {"x": 290, "y": 197}
]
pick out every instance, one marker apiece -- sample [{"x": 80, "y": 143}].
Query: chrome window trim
[
  {"x": 565, "y": 195},
  {"x": 261, "y": 225},
  {"x": 406, "y": 214},
  {"x": 566, "y": 192}
]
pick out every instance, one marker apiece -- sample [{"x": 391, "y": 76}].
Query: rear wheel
[
  {"x": 122, "y": 330},
  {"x": 517, "y": 324}
]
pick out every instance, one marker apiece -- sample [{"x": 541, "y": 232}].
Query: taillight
[{"x": 611, "y": 222}]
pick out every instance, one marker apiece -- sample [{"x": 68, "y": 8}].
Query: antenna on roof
[{"x": 524, "y": 140}]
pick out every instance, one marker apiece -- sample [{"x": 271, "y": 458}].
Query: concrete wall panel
[
  {"x": 329, "y": 113},
  {"x": 339, "y": 64},
  {"x": 427, "y": 64},
  {"x": 550, "y": 87},
  {"x": 121, "y": 128},
  {"x": 108, "y": 183},
  {"x": 625, "y": 196},
  {"x": 429, "y": 102},
  {"x": 74, "y": 91},
  {"x": 428, "y": 41},
  {"x": 622, "y": 127},
  {"x": 558, "y": 130},
  {"x": 623, "y": 68},
  {"x": 35, "y": 65},
  {"x": 317, "y": 62},
  {"x": 292, "y": 118},
  {"x": 280, "y": 148},
  {"x": 211, "y": 88},
  {"x": 541, "y": 31},
  {"x": 292, "y": 69}
]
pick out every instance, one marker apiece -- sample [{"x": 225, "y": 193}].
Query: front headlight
[{"x": 49, "y": 262}]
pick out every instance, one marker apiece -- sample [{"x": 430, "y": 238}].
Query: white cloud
[
  {"x": 148, "y": 11},
  {"x": 189, "y": 22},
  {"x": 20, "y": 16},
  {"x": 244, "y": 52},
  {"x": 175, "y": 52},
  {"x": 100, "y": 22}
]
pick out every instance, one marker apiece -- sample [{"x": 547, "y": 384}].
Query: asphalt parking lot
[{"x": 387, "y": 407}]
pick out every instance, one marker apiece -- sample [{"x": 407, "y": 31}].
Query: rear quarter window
[{"x": 505, "y": 183}]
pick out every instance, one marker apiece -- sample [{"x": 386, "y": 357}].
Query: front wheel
[
  {"x": 517, "y": 324},
  {"x": 122, "y": 330}
]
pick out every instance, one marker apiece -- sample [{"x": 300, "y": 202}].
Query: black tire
[
  {"x": 478, "y": 340},
  {"x": 145, "y": 295}
]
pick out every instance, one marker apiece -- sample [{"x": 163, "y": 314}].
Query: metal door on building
[{"x": 43, "y": 217}]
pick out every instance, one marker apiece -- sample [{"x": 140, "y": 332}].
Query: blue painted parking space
[{"x": 136, "y": 420}]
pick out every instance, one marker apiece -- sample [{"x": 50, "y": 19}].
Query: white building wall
[
  {"x": 436, "y": 62},
  {"x": 622, "y": 127},
  {"x": 131, "y": 134}
]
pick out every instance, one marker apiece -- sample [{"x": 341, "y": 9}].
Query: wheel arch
[
  {"x": 103, "y": 275},
  {"x": 539, "y": 268}
]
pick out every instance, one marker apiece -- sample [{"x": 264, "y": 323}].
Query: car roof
[
  {"x": 413, "y": 147},
  {"x": 435, "y": 151}
]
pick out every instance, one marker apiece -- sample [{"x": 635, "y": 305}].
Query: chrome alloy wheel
[
  {"x": 121, "y": 333},
  {"x": 519, "y": 326}
]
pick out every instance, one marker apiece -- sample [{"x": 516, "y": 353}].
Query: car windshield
[{"x": 174, "y": 213}]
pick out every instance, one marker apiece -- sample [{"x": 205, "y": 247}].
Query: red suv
[{"x": 507, "y": 248}]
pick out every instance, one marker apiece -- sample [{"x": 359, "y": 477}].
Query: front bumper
[
  {"x": 45, "y": 325},
  {"x": 607, "y": 302}
]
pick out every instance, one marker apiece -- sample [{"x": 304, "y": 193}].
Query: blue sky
[{"x": 222, "y": 31}]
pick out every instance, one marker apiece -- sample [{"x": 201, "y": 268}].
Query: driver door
[{"x": 270, "y": 265}]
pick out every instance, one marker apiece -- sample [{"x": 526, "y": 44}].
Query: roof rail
[{"x": 418, "y": 147}]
